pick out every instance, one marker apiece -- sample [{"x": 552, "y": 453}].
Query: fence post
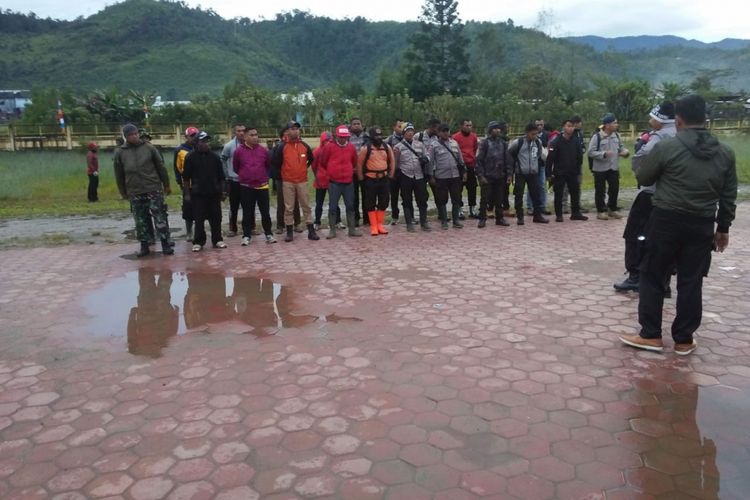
[
  {"x": 12, "y": 134},
  {"x": 68, "y": 138}
]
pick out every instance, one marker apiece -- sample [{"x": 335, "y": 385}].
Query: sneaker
[
  {"x": 220, "y": 244},
  {"x": 685, "y": 349},
  {"x": 316, "y": 225},
  {"x": 231, "y": 234},
  {"x": 602, "y": 216},
  {"x": 270, "y": 239},
  {"x": 245, "y": 241},
  {"x": 394, "y": 222},
  {"x": 655, "y": 345},
  {"x": 613, "y": 214},
  {"x": 197, "y": 248},
  {"x": 559, "y": 218}
]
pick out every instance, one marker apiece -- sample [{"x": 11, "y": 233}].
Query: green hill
[{"x": 178, "y": 51}]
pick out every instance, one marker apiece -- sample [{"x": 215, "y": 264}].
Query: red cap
[
  {"x": 92, "y": 146},
  {"x": 343, "y": 131},
  {"x": 191, "y": 131}
]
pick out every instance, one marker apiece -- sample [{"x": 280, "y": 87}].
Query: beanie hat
[
  {"x": 608, "y": 118},
  {"x": 129, "y": 129},
  {"x": 663, "y": 113}
]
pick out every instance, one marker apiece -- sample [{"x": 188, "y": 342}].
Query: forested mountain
[
  {"x": 178, "y": 51},
  {"x": 648, "y": 42}
]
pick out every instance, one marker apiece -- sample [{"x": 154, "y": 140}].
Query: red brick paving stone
[
  {"x": 553, "y": 469},
  {"x": 191, "y": 470},
  {"x": 619, "y": 457},
  {"x": 454, "y": 494},
  {"x": 380, "y": 449},
  {"x": 469, "y": 424},
  {"x": 408, "y": 434},
  {"x": 29, "y": 474},
  {"x": 109, "y": 484},
  {"x": 627, "y": 494},
  {"x": 393, "y": 472},
  {"x": 573, "y": 452},
  {"x": 234, "y": 451},
  {"x": 445, "y": 440},
  {"x": 509, "y": 427},
  {"x": 152, "y": 488},
  {"x": 529, "y": 447},
  {"x": 78, "y": 457},
  {"x": 115, "y": 462},
  {"x": 360, "y": 488},
  {"x": 420, "y": 454},
  {"x": 72, "y": 479},
  {"x": 576, "y": 490},
  {"x": 650, "y": 481},
  {"x": 31, "y": 493},
  {"x": 602, "y": 475},
  {"x": 592, "y": 436},
  {"x": 528, "y": 486},
  {"x": 231, "y": 475},
  {"x": 483, "y": 483},
  {"x": 316, "y": 486},
  {"x": 200, "y": 490},
  {"x": 408, "y": 492},
  {"x": 437, "y": 477},
  {"x": 152, "y": 466}
]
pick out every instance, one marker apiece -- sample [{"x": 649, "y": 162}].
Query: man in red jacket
[
  {"x": 468, "y": 143},
  {"x": 92, "y": 170},
  {"x": 337, "y": 163}
]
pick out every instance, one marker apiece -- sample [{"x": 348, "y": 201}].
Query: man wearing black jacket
[
  {"x": 564, "y": 160},
  {"x": 204, "y": 182}
]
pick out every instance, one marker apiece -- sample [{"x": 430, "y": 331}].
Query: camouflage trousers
[{"x": 149, "y": 211}]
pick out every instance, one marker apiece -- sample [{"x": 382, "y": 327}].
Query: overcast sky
[{"x": 705, "y": 21}]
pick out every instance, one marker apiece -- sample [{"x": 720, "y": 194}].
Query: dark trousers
[
  {"x": 280, "y": 207},
  {"x": 492, "y": 197},
  {"x": 569, "y": 181},
  {"x": 445, "y": 188},
  {"x": 505, "y": 196},
  {"x": 471, "y": 186},
  {"x": 394, "y": 189},
  {"x": 412, "y": 190},
  {"x": 320, "y": 198},
  {"x": 249, "y": 197},
  {"x": 685, "y": 241},
  {"x": 635, "y": 228},
  {"x": 206, "y": 207},
  {"x": 338, "y": 190},
  {"x": 234, "y": 206},
  {"x": 93, "y": 187},
  {"x": 359, "y": 200},
  {"x": 520, "y": 183},
  {"x": 608, "y": 181},
  {"x": 187, "y": 207},
  {"x": 377, "y": 193}
]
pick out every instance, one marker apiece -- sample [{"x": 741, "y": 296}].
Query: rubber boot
[
  {"x": 409, "y": 216},
  {"x": 166, "y": 248},
  {"x": 423, "y": 220},
  {"x": 372, "y": 217},
  {"x": 628, "y": 284},
  {"x": 443, "y": 216},
  {"x": 311, "y": 234},
  {"x": 456, "y": 213},
  {"x": 519, "y": 218},
  {"x": 189, "y": 230},
  {"x": 144, "y": 249},
  {"x": 289, "y": 233},
  {"x": 381, "y": 221},
  {"x": 351, "y": 226},
  {"x": 331, "y": 231}
]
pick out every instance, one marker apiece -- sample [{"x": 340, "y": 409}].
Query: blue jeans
[
  {"x": 335, "y": 191},
  {"x": 542, "y": 179}
]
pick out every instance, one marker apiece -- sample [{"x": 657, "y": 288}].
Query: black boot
[
  {"x": 539, "y": 218},
  {"x": 409, "y": 216},
  {"x": 166, "y": 248},
  {"x": 456, "y": 213},
  {"x": 189, "y": 230},
  {"x": 311, "y": 234},
  {"x": 500, "y": 221},
  {"x": 519, "y": 217},
  {"x": 289, "y": 233},
  {"x": 443, "y": 216},
  {"x": 628, "y": 284},
  {"x": 144, "y": 249},
  {"x": 482, "y": 223},
  {"x": 423, "y": 220}
]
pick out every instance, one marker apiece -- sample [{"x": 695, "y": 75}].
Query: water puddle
[{"x": 151, "y": 306}]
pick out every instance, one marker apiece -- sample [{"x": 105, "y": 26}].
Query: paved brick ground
[{"x": 459, "y": 364}]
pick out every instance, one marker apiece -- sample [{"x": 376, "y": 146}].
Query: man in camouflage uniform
[{"x": 142, "y": 179}]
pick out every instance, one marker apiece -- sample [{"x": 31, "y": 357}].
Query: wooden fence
[{"x": 49, "y": 137}]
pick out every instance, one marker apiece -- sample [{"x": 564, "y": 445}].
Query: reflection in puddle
[{"x": 152, "y": 306}]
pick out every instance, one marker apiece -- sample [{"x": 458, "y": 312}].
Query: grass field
[{"x": 37, "y": 183}]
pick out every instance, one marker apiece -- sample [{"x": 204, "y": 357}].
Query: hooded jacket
[
  {"x": 251, "y": 165},
  {"x": 204, "y": 173},
  {"x": 139, "y": 169},
  {"x": 694, "y": 172},
  {"x": 526, "y": 154},
  {"x": 493, "y": 159},
  {"x": 338, "y": 162},
  {"x": 321, "y": 177}
]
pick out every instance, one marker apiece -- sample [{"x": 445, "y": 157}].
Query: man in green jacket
[
  {"x": 142, "y": 179},
  {"x": 695, "y": 173}
]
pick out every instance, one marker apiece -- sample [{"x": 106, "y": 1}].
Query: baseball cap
[
  {"x": 191, "y": 131},
  {"x": 343, "y": 131},
  {"x": 408, "y": 126},
  {"x": 203, "y": 136}
]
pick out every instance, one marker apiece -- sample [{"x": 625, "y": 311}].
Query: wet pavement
[{"x": 457, "y": 364}]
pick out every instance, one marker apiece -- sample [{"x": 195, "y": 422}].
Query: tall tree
[{"x": 436, "y": 61}]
